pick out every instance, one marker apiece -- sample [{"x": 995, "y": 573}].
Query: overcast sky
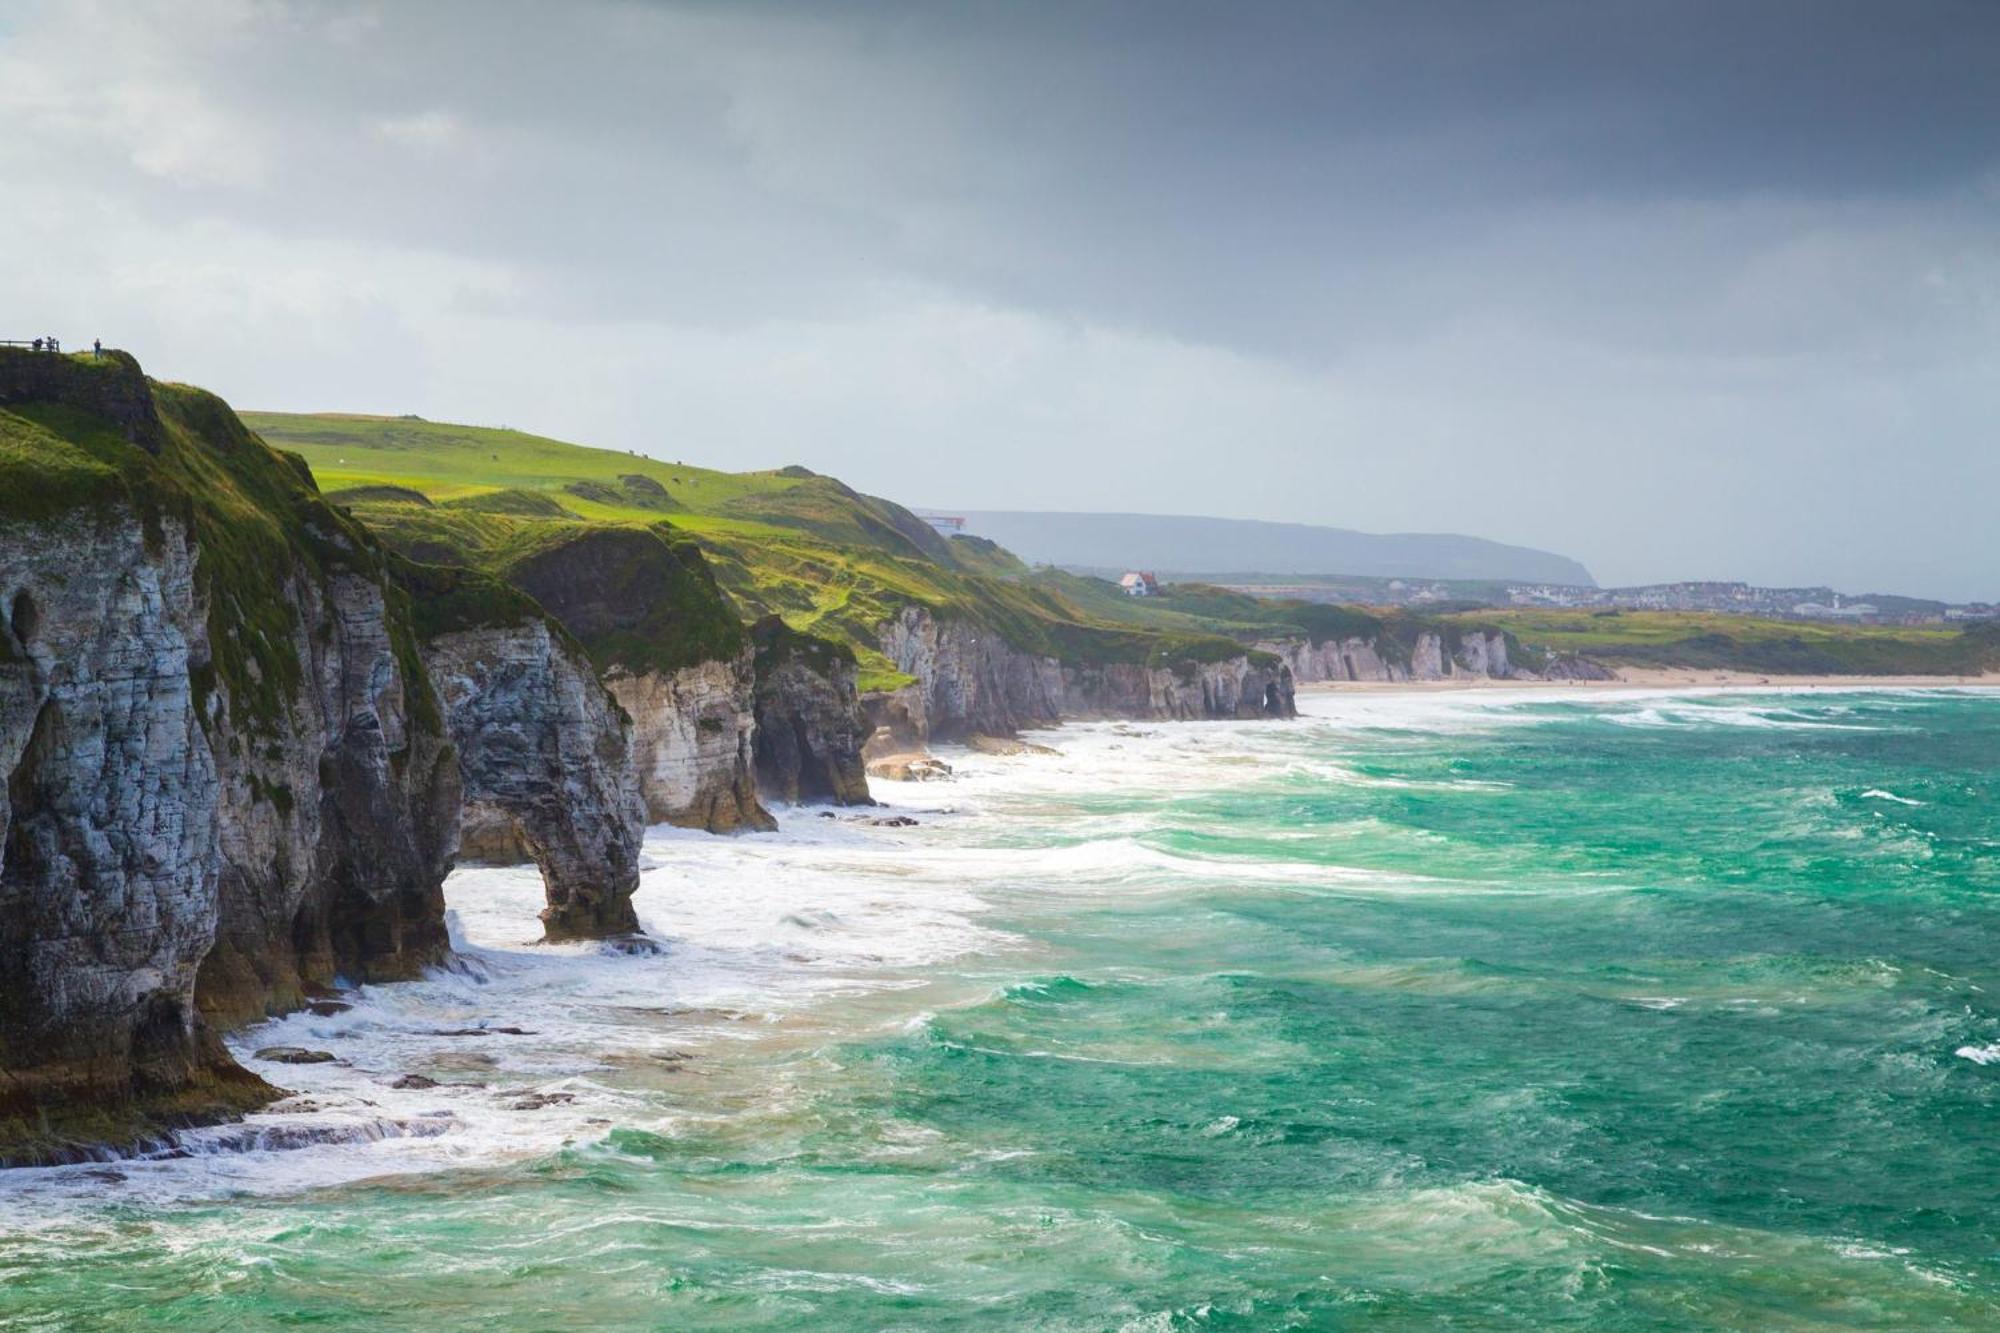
[{"x": 1679, "y": 289}]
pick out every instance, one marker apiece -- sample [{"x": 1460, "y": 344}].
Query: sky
[{"x": 1682, "y": 290}]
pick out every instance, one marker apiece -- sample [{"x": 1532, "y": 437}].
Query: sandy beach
[{"x": 1653, "y": 678}]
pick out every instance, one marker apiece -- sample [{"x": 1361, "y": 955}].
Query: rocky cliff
[
  {"x": 1248, "y": 686},
  {"x": 810, "y": 725},
  {"x": 339, "y": 821},
  {"x": 1429, "y": 655},
  {"x": 1336, "y": 659},
  {"x": 544, "y": 751},
  {"x": 692, "y": 743},
  {"x": 666, "y": 643},
  {"x": 228, "y": 776},
  {"x": 971, "y": 680}
]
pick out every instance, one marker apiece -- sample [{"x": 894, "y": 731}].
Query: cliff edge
[{"x": 229, "y": 779}]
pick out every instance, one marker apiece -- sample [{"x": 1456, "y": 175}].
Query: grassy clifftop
[
  {"x": 1633, "y": 638},
  {"x": 834, "y": 562},
  {"x": 80, "y": 433},
  {"x": 825, "y": 558},
  {"x": 1708, "y": 640}
]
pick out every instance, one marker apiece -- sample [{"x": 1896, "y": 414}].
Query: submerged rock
[
  {"x": 295, "y": 1055},
  {"x": 1002, "y": 745},
  {"x": 536, "y": 1101},
  {"x": 483, "y": 1032}
]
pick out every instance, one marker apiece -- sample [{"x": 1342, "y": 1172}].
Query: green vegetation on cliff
[
  {"x": 638, "y": 597},
  {"x": 1715, "y": 641},
  {"x": 833, "y": 562},
  {"x": 827, "y": 559},
  {"x": 79, "y": 433}
]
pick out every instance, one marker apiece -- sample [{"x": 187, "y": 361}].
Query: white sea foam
[
  {"x": 757, "y": 930},
  {"x": 832, "y": 922},
  {"x": 1877, "y": 794}
]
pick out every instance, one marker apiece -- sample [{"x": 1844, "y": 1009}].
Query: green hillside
[
  {"x": 1712, "y": 640},
  {"x": 837, "y": 563},
  {"x": 827, "y": 559}
]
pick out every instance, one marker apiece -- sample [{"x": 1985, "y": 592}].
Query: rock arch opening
[
  {"x": 588, "y": 890},
  {"x": 24, "y": 618}
]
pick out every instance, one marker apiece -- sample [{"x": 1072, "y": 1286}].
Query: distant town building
[
  {"x": 1140, "y": 583},
  {"x": 949, "y": 524}
]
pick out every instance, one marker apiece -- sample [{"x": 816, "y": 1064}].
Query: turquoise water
[{"x": 1506, "y": 1010}]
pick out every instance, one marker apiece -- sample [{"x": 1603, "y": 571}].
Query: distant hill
[{"x": 1216, "y": 546}]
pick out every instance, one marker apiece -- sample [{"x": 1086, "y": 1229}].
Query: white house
[{"x": 1140, "y": 583}]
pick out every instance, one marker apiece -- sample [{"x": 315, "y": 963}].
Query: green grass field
[
  {"x": 827, "y": 559},
  {"x": 837, "y": 563},
  {"x": 1716, "y": 640}
]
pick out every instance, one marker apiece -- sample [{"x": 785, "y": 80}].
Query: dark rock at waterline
[
  {"x": 894, "y": 821},
  {"x": 414, "y": 1082},
  {"x": 483, "y": 1032},
  {"x": 638, "y": 946},
  {"x": 328, "y": 1008},
  {"x": 295, "y": 1055},
  {"x": 535, "y": 1101},
  {"x": 288, "y": 1136}
]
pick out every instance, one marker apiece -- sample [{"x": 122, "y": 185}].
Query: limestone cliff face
[
  {"x": 672, "y": 652},
  {"x": 1238, "y": 687},
  {"x": 1486, "y": 655},
  {"x": 1477, "y": 653},
  {"x": 546, "y": 762},
  {"x": 227, "y": 775},
  {"x": 970, "y": 680},
  {"x": 338, "y": 820},
  {"x": 810, "y": 725},
  {"x": 1336, "y": 659},
  {"x": 692, "y": 743},
  {"x": 108, "y": 885}
]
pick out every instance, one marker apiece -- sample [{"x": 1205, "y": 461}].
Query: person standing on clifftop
[
  {"x": 97, "y": 347},
  {"x": 38, "y": 344}
]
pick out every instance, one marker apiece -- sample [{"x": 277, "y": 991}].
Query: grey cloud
[{"x": 1432, "y": 265}]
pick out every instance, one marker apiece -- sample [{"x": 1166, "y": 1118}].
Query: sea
[{"x": 1488, "y": 1009}]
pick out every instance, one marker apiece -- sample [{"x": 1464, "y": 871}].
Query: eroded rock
[
  {"x": 810, "y": 725},
  {"x": 295, "y": 1055},
  {"x": 545, "y": 759}
]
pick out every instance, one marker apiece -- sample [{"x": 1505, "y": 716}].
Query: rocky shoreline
[{"x": 246, "y": 741}]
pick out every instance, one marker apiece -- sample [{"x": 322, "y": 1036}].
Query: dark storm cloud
[{"x": 1483, "y": 266}]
